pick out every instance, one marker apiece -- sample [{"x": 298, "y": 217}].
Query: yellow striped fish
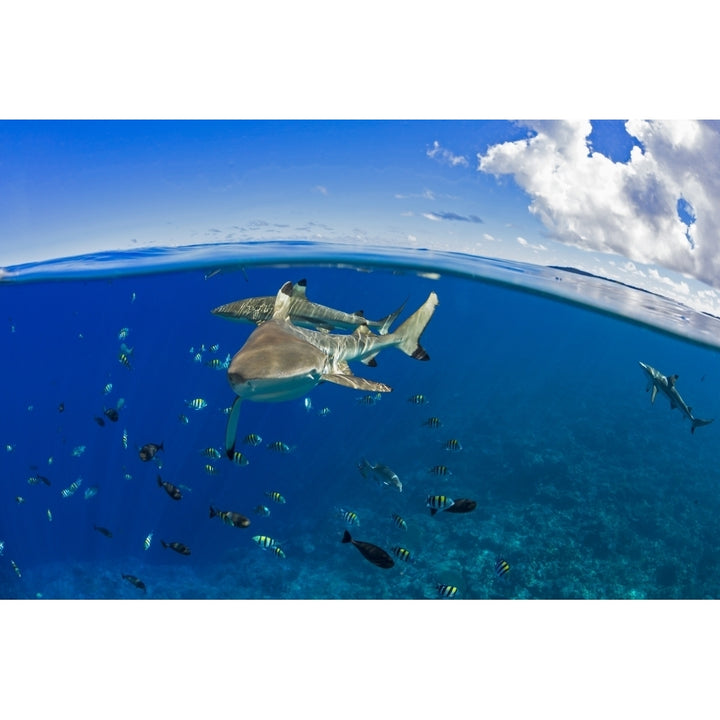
[
  {"x": 448, "y": 591},
  {"x": 196, "y": 403},
  {"x": 71, "y": 489},
  {"x": 239, "y": 459},
  {"x": 275, "y": 496},
  {"x": 277, "y": 550},
  {"x": 439, "y": 502},
  {"x": 264, "y": 541},
  {"x": 440, "y": 470},
  {"x": 148, "y": 540},
  {"x": 402, "y": 553},
  {"x": 399, "y": 521},
  {"x": 453, "y": 445}
]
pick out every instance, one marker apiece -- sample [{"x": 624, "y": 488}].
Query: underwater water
[{"x": 583, "y": 487}]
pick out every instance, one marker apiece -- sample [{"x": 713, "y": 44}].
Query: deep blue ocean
[{"x": 584, "y": 488}]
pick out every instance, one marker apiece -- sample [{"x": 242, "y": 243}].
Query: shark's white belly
[{"x": 276, "y": 389}]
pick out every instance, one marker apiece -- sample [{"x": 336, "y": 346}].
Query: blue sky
[{"x": 634, "y": 200}]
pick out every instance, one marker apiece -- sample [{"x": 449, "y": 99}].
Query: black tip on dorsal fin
[
  {"x": 361, "y": 313},
  {"x": 302, "y": 283},
  {"x": 300, "y": 288}
]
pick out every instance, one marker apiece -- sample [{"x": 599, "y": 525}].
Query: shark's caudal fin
[
  {"x": 231, "y": 428},
  {"x": 697, "y": 422},
  {"x": 411, "y": 330},
  {"x": 388, "y": 320}
]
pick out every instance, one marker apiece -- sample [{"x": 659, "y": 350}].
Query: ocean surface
[{"x": 583, "y": 487}]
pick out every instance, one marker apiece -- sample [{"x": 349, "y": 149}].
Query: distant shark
[
  {"x": 666, "y": 385},
  {"x": 303, "y": 312},
  {"x": 281, "y": 361}
]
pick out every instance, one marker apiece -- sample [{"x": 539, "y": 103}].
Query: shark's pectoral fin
[
  {"x": 358, "y": 383},
  {"x": 653, "y": 394},
  {"x": 231, "y": 428}
]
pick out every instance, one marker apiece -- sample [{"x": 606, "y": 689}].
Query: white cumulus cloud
[{"x": 660, "y": 207}]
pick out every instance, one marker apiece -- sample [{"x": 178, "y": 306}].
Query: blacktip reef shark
[
  {"x": 303, "y": 313},
  {"x": 281, "y": 361},
  {"x": 666, "y": 385}
]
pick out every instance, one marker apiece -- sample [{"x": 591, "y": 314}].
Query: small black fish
[
  {"x": 102, "y": 531},
  {"x": 178, "y": 547},
  {"x": 139, "y": 584},
  {"x": 376, "y": 555},
  {"x": 99, "y": 421},
  {"x": 147, "y": 452},
  {"x": 170, "y": 489},
  {"x": 61, "y": 407},
  {"x": 42, "y": 478},
  {"x": 112, "y": 413},
  {"x": 230, "y": 518},
  {"x": 462, "y": 505}
]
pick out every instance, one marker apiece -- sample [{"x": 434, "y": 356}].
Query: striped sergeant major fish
[
  {"x": 303, "y": 313},
  {"x": 446, "y": 591},
  {"x": 71, "y": 489},
  {"x": 438, "y": 502},
  {"x": 264, "y": 541}
]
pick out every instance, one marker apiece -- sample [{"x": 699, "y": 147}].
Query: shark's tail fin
[
  {"x": 388, "y": 320},
  {"x": 697, "y": 422},
  {"x": 410, "y": 331}
]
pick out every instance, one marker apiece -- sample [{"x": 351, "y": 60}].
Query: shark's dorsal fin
[
  {"x": 300, "y": 289},
  {"x": 281, "y": 311}
]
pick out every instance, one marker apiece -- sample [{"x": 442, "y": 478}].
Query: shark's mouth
[{"x": 275, "y": 389}]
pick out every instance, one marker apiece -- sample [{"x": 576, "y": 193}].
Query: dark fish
[
  {"x": 99, "y": 421},
  {"x": 61, "y": 407},
  {"x": 501, "y": 567},
  {"x": 178, "y": 547},
  {"x": 42, "y": 478},
  {"x": 102, "y": 531},
  {"x": 147, "y": 452},
  {"x": 139, "y": 584},
  {"x": 112, "y": 413},
  {"x": 170, "y": 489},
  {"x": 462, "y": 505},
  {"x": 376, "y": 555},
  {"x": 230, "y": 518}
]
